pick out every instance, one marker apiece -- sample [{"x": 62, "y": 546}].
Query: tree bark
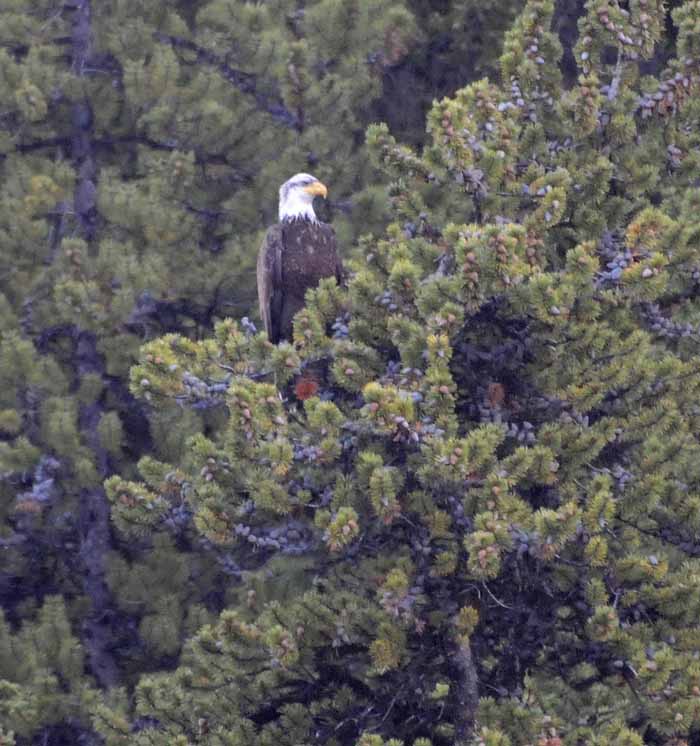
[
  {"x": 466, "y": 692},
  {"x": 94, "y": 506}
]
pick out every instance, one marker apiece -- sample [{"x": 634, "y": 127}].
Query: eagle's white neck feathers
[
  {"x": 296, "y": 201},
  {"x": 297, "y": 204}
]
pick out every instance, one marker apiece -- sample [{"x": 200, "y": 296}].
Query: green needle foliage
[
  {"x": 42, "y": 681},
  {"x": 142, "y": 145},
  {"x": 472, "y": 481},
  {"x": 463, "y": 506}
]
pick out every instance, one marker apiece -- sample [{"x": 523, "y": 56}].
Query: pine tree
[
  {"x": 42, "y": 682},
  {"x": 478, "y": 523},
  {"x": 141, "y": 147}
]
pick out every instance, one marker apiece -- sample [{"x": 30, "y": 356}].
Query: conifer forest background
[{"x": 462, "y": 505}]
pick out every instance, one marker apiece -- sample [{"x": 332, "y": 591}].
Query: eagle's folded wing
[{"x": 270, "y": 291}]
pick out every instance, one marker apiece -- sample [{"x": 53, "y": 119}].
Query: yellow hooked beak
[{"x": 317, "y": 189}]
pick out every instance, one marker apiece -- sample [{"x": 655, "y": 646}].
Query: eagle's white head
[{"x": 297, "y": 196}]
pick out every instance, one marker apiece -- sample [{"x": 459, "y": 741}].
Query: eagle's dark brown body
[{"x": 294, "y": 256}]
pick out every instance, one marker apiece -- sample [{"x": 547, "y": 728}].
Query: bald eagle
[{"x": 295, "y": 254}]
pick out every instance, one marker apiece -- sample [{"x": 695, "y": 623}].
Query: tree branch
[
  {"x": 466, "y": 691},
  {"x": 243, "y": 81}
]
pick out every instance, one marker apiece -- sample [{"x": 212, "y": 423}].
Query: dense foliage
[
  {"x": 141, "y": 147},
  {"x": 463, "y": 505}
]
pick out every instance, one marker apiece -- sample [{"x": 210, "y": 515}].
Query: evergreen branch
[
  {"x": 39, "y": 144},
  {"x": 243, "y": 81},
  {"x": 662, "y": 535}
]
